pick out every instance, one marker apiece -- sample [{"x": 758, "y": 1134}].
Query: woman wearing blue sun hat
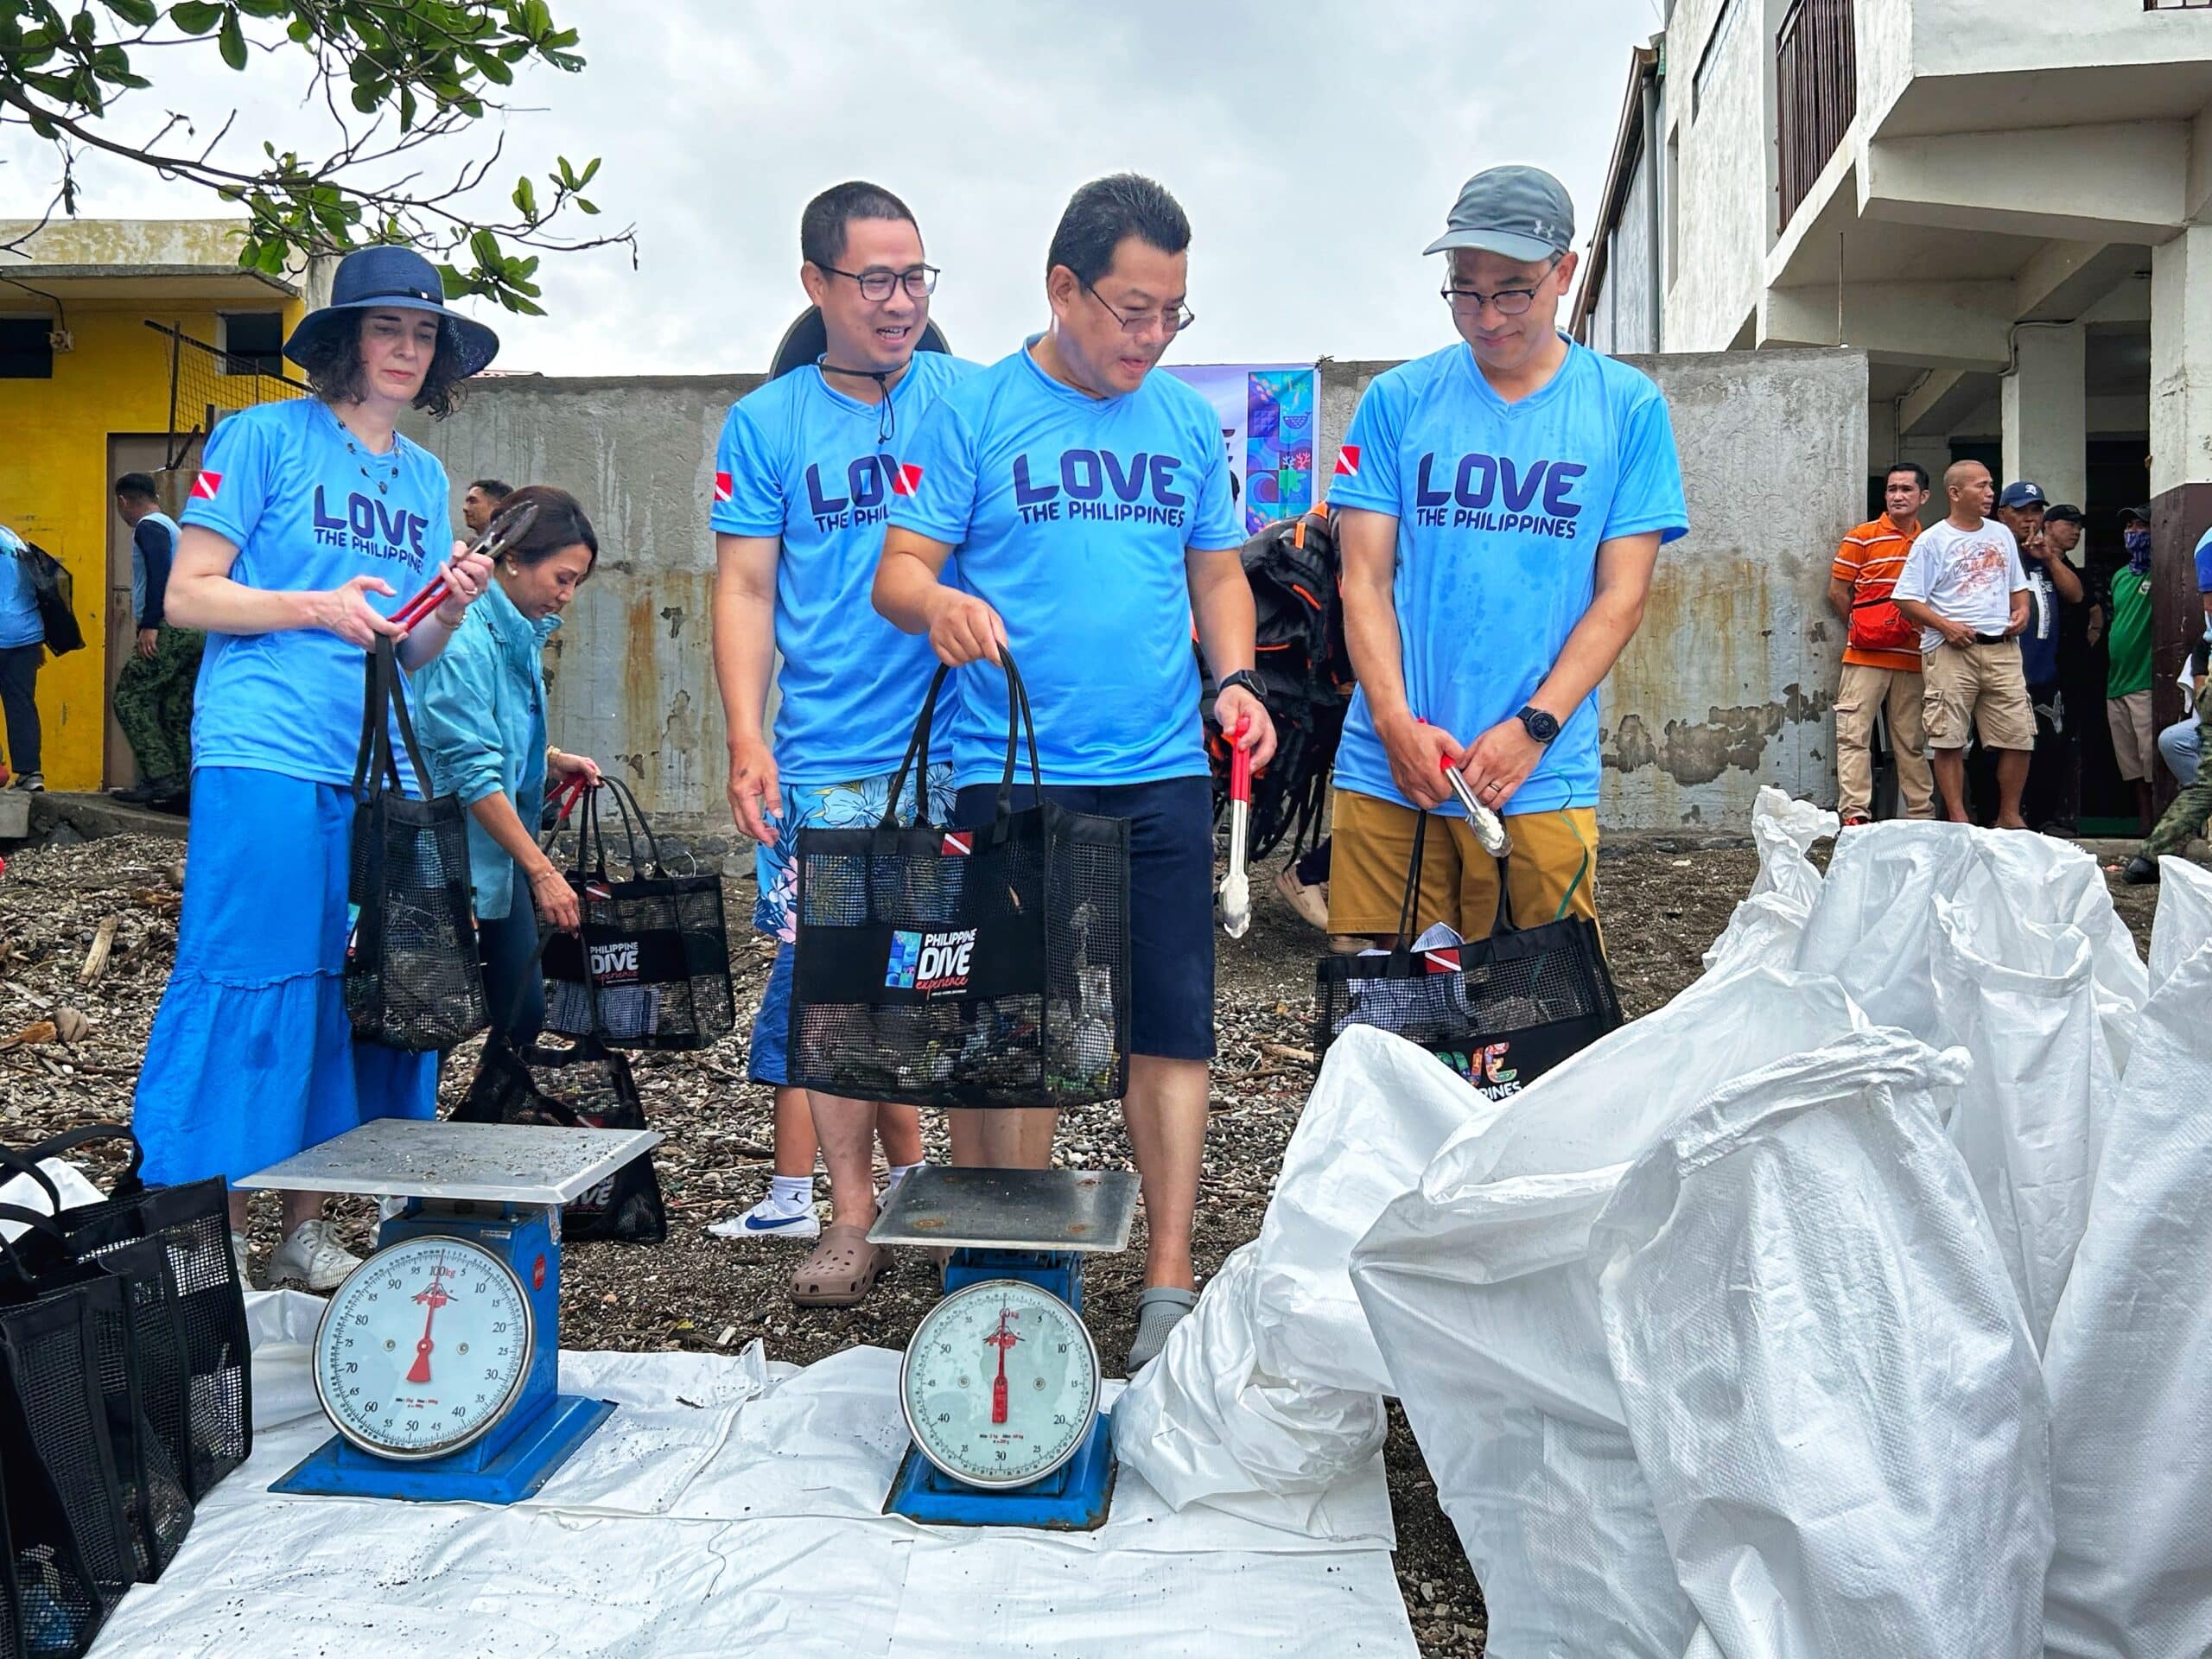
[{"x": 309, "y": 522}]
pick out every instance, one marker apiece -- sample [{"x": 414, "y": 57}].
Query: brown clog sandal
[{"x": 842, "y": 1270}]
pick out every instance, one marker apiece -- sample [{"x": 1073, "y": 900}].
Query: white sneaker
[
  {"x": 770, "y": 1219},
  {"x": 313, "y": 1259},
  {"x": 239, "y": 1255}
]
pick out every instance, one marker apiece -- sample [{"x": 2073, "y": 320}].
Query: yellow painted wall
[{"x": 54, "y": 485}]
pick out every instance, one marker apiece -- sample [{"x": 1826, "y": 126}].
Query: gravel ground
[{"x": 1661, "y": 908}]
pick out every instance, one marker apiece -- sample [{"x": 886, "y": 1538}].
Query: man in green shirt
[{"x": 2126, "y": 621}]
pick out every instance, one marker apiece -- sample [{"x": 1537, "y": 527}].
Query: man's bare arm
[
  {"x": 745, "y": 658},
  {"x": 910, "y": 593}
]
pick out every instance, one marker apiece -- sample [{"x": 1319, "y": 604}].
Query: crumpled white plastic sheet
[
  {"x": 1765, "y": 928},
  {"x": 732, "y": 1505},
  {"x": 2130, "y": 1356}
]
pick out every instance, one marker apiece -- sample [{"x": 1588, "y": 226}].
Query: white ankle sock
[
  {"x": 900, "y": 1173},
  {"x": 793, "y": 1193}
]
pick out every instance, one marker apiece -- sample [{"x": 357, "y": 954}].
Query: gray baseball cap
[{"x": 1522, "y": 212}]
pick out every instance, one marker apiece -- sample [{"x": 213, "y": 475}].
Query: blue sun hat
[{"x": 394, "y": 278}]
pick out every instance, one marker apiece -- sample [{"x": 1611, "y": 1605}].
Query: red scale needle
[
  {"x": 433, "y": 1299},
  {"x": 1001, "y": 1339}
]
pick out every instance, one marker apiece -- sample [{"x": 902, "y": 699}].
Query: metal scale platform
[
  {"x": 1029, "y": 1449},
  {"x": 438, "y": 1360}
]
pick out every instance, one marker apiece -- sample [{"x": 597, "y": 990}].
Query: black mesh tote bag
[
  {"x": 412, "y": 981},
  {"x": 1501, "y": 1011},
  {"x": 983, "y": 968},
  {"x": 70, "y": 1554},
  {"x": 651, "y": 968},
  {"x": 189, "y": 1226},
  {"x": 573, "y": 1083},
  {"x": 128, "y": 1354}
]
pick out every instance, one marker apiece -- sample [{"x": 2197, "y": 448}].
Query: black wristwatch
[
  {"x": 1249, "y": 680},
  {"x": 1538, "y": 724}
]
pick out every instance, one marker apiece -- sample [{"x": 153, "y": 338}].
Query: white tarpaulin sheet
[{"x": 730, "y": 1506}]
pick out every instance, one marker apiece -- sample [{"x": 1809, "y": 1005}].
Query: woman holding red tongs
[{"x": 308, "y": 521}]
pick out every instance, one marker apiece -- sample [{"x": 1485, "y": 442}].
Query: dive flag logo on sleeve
[
  {"x": 721, "y": 487},
  {"x": 205, "y": 486},
  {"x": 908, "y": 480},
  {"x": 1348, "y": 462}
]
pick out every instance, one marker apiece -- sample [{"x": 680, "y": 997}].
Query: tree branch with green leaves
[{"x": 399, "y": 80}]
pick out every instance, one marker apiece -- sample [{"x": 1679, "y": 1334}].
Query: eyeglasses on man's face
[
  {"x": 877, "y": 283},
  {"x": 1139, "y": 322},
  {"x": 1506, "y": 301}
]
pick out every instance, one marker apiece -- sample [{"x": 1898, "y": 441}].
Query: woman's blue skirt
[{"x": 252, "y": 1058}]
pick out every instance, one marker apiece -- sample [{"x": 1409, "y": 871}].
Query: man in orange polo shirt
[{"x": 1881, "y": 654}]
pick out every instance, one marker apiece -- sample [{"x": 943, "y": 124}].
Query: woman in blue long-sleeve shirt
[{"x": 480, "y": 714}]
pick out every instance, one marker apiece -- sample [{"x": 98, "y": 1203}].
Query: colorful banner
[{"x": 1269, "y": 416}]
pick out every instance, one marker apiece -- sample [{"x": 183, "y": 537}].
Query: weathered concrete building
[
  {"x": 1727, "y": 687},
  {"x": 2006, "y": 204}
]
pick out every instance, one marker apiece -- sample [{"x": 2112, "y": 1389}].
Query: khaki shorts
[
  {"x": 1555, "y": 859},
  {"x": 1968, "y": 687},
  {"x": 2134, "y": 745}
]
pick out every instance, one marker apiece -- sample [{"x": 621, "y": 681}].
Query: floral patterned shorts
[{"x": 857, "y": 805}]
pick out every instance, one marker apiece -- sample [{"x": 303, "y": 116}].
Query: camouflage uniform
[
  {"x": 2184, "y": 819},
  {"x": 152, "y": 702}
]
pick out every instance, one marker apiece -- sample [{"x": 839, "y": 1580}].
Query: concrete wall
[
  {"x": 631, "y": 670},
  {"x": 1722, "y": 226},
  {"x": 1727, "y": 686}
]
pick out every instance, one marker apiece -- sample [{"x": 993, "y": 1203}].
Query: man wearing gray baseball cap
[{"x": 1500, "y": 506}]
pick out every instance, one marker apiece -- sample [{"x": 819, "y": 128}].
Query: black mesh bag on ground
[
  {"x": 652, "y": 967},
  {"x": 209, "y": 1429},
  {"x": 70, "y": 1556},
  {"x": 136, "y": 1355},
  {"x": 1501, "y": 1011},
  {"x": 986, "y": 967},
  {"x": 412, "y": 981},
  {"x": 575, "y": 1084}
]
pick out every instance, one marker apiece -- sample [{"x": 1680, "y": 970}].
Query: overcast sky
[{"x": 1316, "y": 147}]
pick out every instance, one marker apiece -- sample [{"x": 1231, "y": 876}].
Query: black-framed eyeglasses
[
  {"x": 1509, "y": 302},
  {"x": 918, "y": 281},
  {"x": 1172, "y": 322}
]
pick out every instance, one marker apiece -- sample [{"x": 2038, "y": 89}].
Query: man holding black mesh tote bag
[{"x": 1088, "y": 499}]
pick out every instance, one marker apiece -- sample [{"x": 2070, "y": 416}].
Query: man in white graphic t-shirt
[{"x": 1964, "y": 584}]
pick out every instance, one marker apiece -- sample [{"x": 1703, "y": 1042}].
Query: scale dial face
[
  {"x": 1000, "y": 1383},
  {"x": 424, "y": 1348}
]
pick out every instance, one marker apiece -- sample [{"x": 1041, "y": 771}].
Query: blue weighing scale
[
  {"x": 438, "y": 1359},
  {"x": 1000, "y": 1385}
]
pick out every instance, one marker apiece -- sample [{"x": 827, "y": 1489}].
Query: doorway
[{"x": 131, "y": 451}]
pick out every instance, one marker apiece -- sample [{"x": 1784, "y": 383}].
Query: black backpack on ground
[{"x": 1306, "y": 671}]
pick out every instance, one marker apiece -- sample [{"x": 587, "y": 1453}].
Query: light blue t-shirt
[
  {"x": 1070, "y": 515},
  {"x": 19, "y": 622},
  {"x": 800, "y": 459},
  {"x": 308, "y": 507},
  {"x": 1501, "y": 508}
]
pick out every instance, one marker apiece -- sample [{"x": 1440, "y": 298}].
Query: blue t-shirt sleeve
[
  {"x": 1649, "y": 495},
  {"x": 748, "y": 480},
  {"x": 1215, "y": 525},
  {"x": 154, "y": 548},
  {"x": 2204, "y": 563},
  {"x": 935, "y": 492},
  {"x": 237, "y": 476},
  {"x": 1366, "y": 464}
]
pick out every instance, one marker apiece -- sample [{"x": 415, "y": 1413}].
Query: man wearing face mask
[
  {"x": 804, "y": 478},
  {"x": 2123, "y": 616},
  {"x": 1088, "y": 500},
  {"x": 2052, "y": 586}
]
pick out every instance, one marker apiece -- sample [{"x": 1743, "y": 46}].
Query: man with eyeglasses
[
  {"x": 1500, "y": 505},
  {"x": 1088, "y": 499},
  {"x": 803, "y": 479}
]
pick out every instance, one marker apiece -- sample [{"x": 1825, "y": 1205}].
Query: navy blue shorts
[
  {"x": 765, "y": 1062},
  {"x": 1170, "y": 900}
]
